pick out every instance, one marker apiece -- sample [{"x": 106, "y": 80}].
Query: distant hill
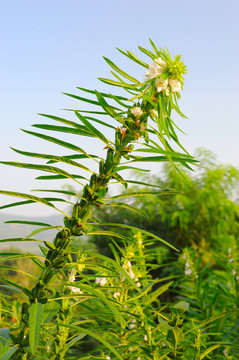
[{"x": 9, "y": 231}]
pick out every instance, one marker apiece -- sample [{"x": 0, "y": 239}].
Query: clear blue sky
[{"x": 52, "y": 46}]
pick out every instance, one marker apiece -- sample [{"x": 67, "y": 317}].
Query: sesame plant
[{"x": 79, "y": 294}]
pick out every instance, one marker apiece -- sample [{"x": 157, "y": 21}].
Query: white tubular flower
[
  {"x": 161, "y": 84},
  {"x": 145, "y": 337},
  {"x": 234, "y": 272},
  {"x": 175, "y": 85},
  {"x": 138, "y": 284},
  {"x": 137, "y": 112},
  {"x": 188, "y": 271},
  {"x": 75, "y": 290},
  {"x": 154, "y": 113},
  {"x": 158, "y": 67},
  {"x": 116, "y": 294},
  {"x": 101, "y": 281},
  {"x": 107, "y": 357},
  {"x": 72, "y": 275},
  {"x": 132, "y": 325}
]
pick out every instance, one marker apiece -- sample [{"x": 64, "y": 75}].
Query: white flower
[
  {"x": 187, "y": 264},
  {"x": 116, "y": 294},
  {"x": 131, "y": 274},
  {"x": 188, "y": 271},
  {"x": 107, "y": 357},
  {"x": 145, "y": 337},
  {"x": 137, "y": 112},
  {"x": 234, "y": 272},
  {"x": 130, "y": 348},
  {"x": 138, "y": 284},
  {"x": 139, "y": 358},
  {"x": 101, "y": 281},
  {"x": 158, "y": 67},
  {"x": 225, "y": 352},
  {"x": 175, "y": 85},
  {"x": 161, "y": 84},
  {"x": 75, "y": 290},
  {"x": 229, "y": 251},
  {"x": 230, "y": 260},
  {"x": 154, "y": 113},
  {"x": 72, "y": 275},
  {"x": 132, "y": 324},
  {"x": 237, "y": 278}
]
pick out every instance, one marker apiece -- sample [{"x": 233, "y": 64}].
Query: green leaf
[
  {"x": 64, "y": 121},
  {"x": 58, "y": 177},
  {"x": 103, "y": 94},
  {"x": 210, "y": 349},
  {"x": 50, "y": 310},
  {"x": 139, "y": 193},
  {"x": 147, "y": 52},
  {"x": 35, "y": 320},
  {"x": 26, "y": 222},
  {"x": 131, "y": 56},
  {"x": 12, "y": 288},
  {"x": 154, "y": 295},
  {"x": 116, "y": 83},
  {"x": 136, "y": 229},
  {"x": 26, "y": 196},
  {"x": 28, "y": 202},
  {"x": 120, "y": 168},
  {"x": 83, "y": 131},
  {"x": 55, "y": 158},
  {"x": 108, "y": 108},
  {"x": 95, "y": 336},
  {"x": 56, "y": 141},
  {"x": 95, "y": 131},
  {"x": 38, "y": 167},
  {"x": 121, "y": 72},
  {"x": 7, "y": 352},
  {"x": 4, "y": 336},
  {"x": 127, "y": 206},
  {"x": 18, "y": 239},
  {"x": 108, "y": 233},
  {"x": 109, "y": 303}
]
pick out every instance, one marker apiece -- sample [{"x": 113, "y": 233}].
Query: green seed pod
[
  {"x": 101, "y": 167},
  {"x": 28, "y": 293},
  {"x": 75, "y": 211},
  {"x": 59, "y": 263},
  {"x": 50, "y": 245},
  {"x": 48, "y": 276},
  {"x": 25, "y": 309}
]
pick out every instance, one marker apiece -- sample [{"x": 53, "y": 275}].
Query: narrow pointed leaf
[
  {"x": 136, "y": 229},
  {"x": 131, "y": 56},
  {"x": 35, "y": 223},
  {"x": 56, "y": 141},
  {"x": 95, "y": 336},
  {"x": 55, "y": 158},
  {"x": 35, "y": 320},
  {"x": 83, "y": 131},
  {"x": 95, "y": 131},
  {"x": 38, "y": 167},
  {"x": 210, "y": 349},
  {"x": 7, "y": 352},
  {"x": 26, "y": 196},
  {"x": 121, "y": 72}
]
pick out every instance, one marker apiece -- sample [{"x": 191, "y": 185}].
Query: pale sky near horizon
[{"x": 53, "y": 46}]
